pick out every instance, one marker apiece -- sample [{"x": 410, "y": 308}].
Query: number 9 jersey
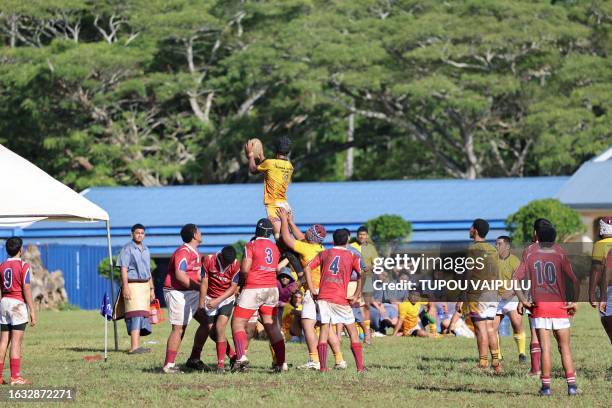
[{"x": 264, "y": 255}]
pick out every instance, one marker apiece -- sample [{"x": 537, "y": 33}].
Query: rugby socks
[
  {"x": 495, "y": 354},
  {"x": 196, "y": 353},
  {"x": 571, "y": 379},
  {"x": 314, "y": 357},
  {"x": 338, "y": 356},
  {"x": 240, "y": 342},
  {"x": 273, "y": 354},
  {"x": 358, "y": 354},
  {"x": 498, "y": 347},
  {"x": 322, "y": 349},
  {"x": 170, "y": 357},
  {"x": 279, "y": 351},
  {"x": 545, "y": 382},
  {"x": 519, "y": 339},
  {"x": 221, "y": 350},
  {"x": 484, "y": 361},
  {"x": 1, "y": 370},
  {"x": 15, "y": 367},
  {"x": 535, "y": 351},
  {"x": 229, "y": 351}
]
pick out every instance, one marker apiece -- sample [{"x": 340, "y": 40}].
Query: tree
[
  {"x": 565, "y": 219},
  {"x": 387, "y": 231}
]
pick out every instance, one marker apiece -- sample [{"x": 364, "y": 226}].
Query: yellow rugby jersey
[
  {"x": 506, "y": 269},
  {"x": 489, "y": 271},
  {"x": 307, "y": 251},
  {"x": 410, "y": 313},
  {"x": 277, "y": 176},
  {"x": 368, "y": 254},
  {"x": 601, "y": 249}
]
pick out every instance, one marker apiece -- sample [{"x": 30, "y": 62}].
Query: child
[{"x": 14, "y": 306}]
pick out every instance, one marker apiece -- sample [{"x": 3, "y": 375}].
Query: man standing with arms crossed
[{"x": 135, "y": 263}]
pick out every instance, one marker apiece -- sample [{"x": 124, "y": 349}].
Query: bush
[
  {"x": 566, "y": 221},
  {"x": 389, "y": 230},
  {"x": 103, "y": 268}
]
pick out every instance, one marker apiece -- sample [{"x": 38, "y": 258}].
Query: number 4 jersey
[
  {"x": 15, "y": 273},
  {"x": 264, "y": 255},
  {"x": 337, "y": 265},
  {"x": 547, "y": 268}
]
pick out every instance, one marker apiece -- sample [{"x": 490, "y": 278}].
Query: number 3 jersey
[
  {"x": 15, "y": 273},
  {"x": 547, "y": 268},
  {"x": 264, "y": 255},
  {"x": 337, "y": 264}
]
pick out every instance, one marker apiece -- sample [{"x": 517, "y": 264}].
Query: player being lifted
[
  {"x": 259, "y": 293},
  {"x": 14, "y": 306},
  {"x": 219, "y": 282},
  {"x": 337, "y": 264},
  {"x": 598, "y": 279},
  {"x": 546, "y": 266},
  {"x": 277, "y": 176}
]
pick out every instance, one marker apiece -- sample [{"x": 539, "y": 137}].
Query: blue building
[{"x": 440, "y": 211}]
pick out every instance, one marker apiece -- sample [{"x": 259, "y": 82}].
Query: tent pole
[{"x": 110, "y": 261}]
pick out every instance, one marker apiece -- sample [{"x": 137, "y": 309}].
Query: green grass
[{"x": 402, "y": 371}]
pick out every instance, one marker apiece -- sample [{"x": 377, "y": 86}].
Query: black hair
[
  {"x": 264, "y": 228},
  {"x": 363, "y": 228},
  {"x": 481, "y": 226},
  {"x": 541, "y": 222},
  {"x": 228, "y": 254},
  {"x": 283, "y": 145},
  {"x": 137, "y": 227},
  {"x": 341, "y": 236},
  {"x": 188, "y": 232},
  {"x": 505, "y": 238},
  {"x": 13, "y": 246},
  {"x": 547, "y": 234}
]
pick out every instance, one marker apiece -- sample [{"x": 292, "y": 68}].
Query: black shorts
[
  {"x": 10, "y": 327},
  {"x": 225, "y": 310}
]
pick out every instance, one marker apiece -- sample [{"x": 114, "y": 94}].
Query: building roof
[
  {"x": 591, "y": 186},
  {"x": 440, "y": 210}
]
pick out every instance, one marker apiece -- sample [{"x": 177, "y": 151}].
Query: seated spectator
[
  {"x": 292, "y": 318},
  {"x": 411, "y": 321},
  {"x": 383, "y": 313}
]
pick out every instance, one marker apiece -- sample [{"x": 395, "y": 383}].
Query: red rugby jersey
[
  {"x": 264, "y": 255},
  {"x": 219, "y": 280},
  {"x": 14, "y": 273},
  {"x": 187, "y": 259},
  {"x": 546, "y": 268},
  {"x": 337, "y": 265}
]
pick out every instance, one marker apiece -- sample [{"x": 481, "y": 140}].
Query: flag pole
[
  {"x": 105, "y": 339},
  {"x": 112, "y": 281}
]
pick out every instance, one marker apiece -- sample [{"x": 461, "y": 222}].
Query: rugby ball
[{"x": 255, "y": 146}]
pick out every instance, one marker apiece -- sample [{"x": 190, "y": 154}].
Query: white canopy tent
[{"x": 33, "y": 196}]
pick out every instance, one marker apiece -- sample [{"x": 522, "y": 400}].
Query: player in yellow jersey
[
  {"x": 508, "y": 304},
  {"x": 277, "y": 176},
  {"x": 482, "y": 304},
  {"x": 598, "y": 277},
  {"x": 368, "y": 254},
  {"x": 308, "y": 246},
  {"x": 409, "y": 322}
]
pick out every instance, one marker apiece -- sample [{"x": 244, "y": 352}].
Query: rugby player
[
  {"x": 15, "y": 304},
  {"x": 547, "y": 266},
  {"x": 277, "y": 176},
  {"x": 508, "y": 263},
  {"x": 181, "y": 293},
  {"x": 605, "y": 300},
  {"x": 368, "y": 254},
  {"x": 337, "y": 264},
  {"x": 597, "y": 277},
  {"x": 259, "y": 293}
]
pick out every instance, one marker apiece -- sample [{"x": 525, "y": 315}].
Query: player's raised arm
[
  {"x": 288, "y": 239},
  {"x": 295, "y": 230}
]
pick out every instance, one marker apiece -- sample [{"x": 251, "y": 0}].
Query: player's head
[
  {"x": 540, "y": 223},
  {"x": 546, "y": 234},
  {"x": 138, "y": 233},
  {"x": 413, "y": 296},
  {"x": 283, "y": 146},
  {"x": 13, "y": 246},
  {"x": 503, "y": 243},
  {"x": 362, "y": 234},
  {"x": 264, "y": 228},
  {"x": 316, "y": 234},
  {"x": 605, "y": 227},
  {"x": 190, "y": 232},
  {"x": 227, "y": 255},
  {"x": 341, "y": 237},
  {"x": 479, "y": 229}
]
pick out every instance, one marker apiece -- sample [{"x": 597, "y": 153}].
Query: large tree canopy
[{"x": 166, "y": 91}]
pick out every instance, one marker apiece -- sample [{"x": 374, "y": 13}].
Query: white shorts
[
  {"x": 182, "y": 305},
  {"x": 506, "y": 306},
  {"x": 334, "y": 313},
  {"x": 309, "y": 308},
  {"x": 482, "y": 310},
  {"x": 215, "y": 311},
  {"x": 551, "y": 323},
  {"x": 410, "y": 332},
  {"x": 254, "y": 298},
  {"x": 13, "y": 311}
]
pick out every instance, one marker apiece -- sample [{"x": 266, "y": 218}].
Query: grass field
[{"x": 402, "y": 371}]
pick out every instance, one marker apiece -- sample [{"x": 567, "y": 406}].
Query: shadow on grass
[
  {"x": 448, "y": 359},
  {"x": 464, "y": 388},
  {"x": 90, "y": 350}
]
